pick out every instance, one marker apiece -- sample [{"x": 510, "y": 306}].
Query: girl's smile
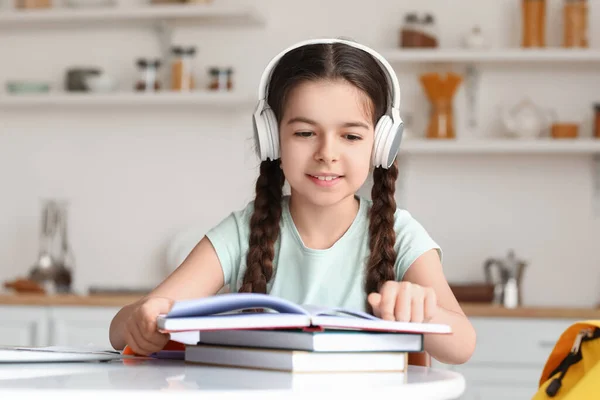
[{"x": 325, "y": 180}]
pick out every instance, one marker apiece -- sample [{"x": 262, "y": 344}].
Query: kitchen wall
[{"x": 135, "y": 176}]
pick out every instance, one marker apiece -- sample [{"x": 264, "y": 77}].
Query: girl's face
[{"x": 326, "y": 139}]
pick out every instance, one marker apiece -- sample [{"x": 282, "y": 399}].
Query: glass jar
[
  {"x": 534, "y": 23},
  {"x": 575, "y": 23},
  {"x": 410, "y": 31},
  {"x": 182, "y": 78},
  {"x": 221, "y": 79},
  {"x": 441, "y": 120},
  {"x": 148, "y": 80}
]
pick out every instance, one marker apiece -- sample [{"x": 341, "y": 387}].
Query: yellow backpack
[{"x": 572, "y": 371}]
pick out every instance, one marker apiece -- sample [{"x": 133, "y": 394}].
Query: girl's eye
[
  {"x": 352, "y": 137},
  {"x": 304, "y": 134}
]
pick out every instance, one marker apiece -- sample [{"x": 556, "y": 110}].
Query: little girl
[{"x": 327, "y": 116}]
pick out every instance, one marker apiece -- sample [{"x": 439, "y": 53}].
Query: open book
[{"x": 226, "y": 311}]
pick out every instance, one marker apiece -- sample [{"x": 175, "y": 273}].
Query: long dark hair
[{"x": 310, "y": 63}]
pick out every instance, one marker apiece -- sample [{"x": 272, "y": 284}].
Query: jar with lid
[
  {"x": 221, "y": 79},
  {"x": 410, "y": 30},
  {"x": 575, "y": 23},
  {"x": 182, "y": 78},
  {"x": 533, "y": 23},
  {"x": 148, "y": 80}
]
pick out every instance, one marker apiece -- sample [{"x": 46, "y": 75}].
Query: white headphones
[{"x": 388, "y": 131}]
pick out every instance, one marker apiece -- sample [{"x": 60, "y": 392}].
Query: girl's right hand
[{"x": 141, "y": 333}]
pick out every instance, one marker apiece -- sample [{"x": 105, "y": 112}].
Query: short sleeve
[
  {"x": 412, "y": 240},
  {"x": 229, "y": 239}
]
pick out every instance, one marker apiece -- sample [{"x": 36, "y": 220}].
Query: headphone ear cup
[
  {"x": 272, "y": 133},
  {"x": 382, "y": 131}
]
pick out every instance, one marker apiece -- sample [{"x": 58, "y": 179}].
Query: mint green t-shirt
[{"x": 332, "y": 277}]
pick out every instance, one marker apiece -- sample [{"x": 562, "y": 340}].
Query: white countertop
[{"x": 166, "y": 378}]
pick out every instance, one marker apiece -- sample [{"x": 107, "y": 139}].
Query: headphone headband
[
  {"x": 388, "y": 130},
  {"x": 389, "y": 71}
]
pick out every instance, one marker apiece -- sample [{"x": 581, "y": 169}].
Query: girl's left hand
[{"x": 404, "y": 301}]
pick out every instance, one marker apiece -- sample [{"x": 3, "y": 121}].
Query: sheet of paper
[
  {"x": 63, "y": 349},
  {"x": 15, "y": 354}
]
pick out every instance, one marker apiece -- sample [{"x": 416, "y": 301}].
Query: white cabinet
[
  {"x": 80, "y": 326},
  {"x": 509, "y": 357},
  {"x": 499, "y": 380},
  {"x": 55, "y": 325},
  {"x": 515, "y": 341},
  {"x": 497, "y": 392},
  {"x": 23, "y": 326}
]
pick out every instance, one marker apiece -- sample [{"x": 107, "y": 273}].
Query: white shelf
[
  {"x": 502, "y": 146},
  {"x": 197, "y": 14},
  {"x": 205, "y": 99},
  {"x": 492, "y": 55}
]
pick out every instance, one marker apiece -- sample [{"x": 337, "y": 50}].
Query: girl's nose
[{"x": 327, "y": 150}]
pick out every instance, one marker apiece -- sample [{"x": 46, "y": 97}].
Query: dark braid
[
  {"x": 264, "y": 228},
  {"x": 382, "y": 237}
]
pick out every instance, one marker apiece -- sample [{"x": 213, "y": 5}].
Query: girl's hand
[
  {"x": 404, "y": 301},
  {"x": 141, "y": 333}
]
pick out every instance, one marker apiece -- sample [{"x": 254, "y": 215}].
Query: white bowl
[{"x": 100, "y": 83}]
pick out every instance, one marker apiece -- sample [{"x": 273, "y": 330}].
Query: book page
[
  {"x": 337, "y": 312},
  {"x": 378, "y": 324},
  {"x": 233, "y": 303}
]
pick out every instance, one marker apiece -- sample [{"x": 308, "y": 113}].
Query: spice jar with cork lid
[
  {"x": 221, "y": 79},
  {"x": 148, "y": 80}
]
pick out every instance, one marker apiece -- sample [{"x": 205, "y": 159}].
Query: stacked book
[{"x": 283, "y": 336}]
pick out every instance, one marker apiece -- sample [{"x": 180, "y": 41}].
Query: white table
[{"x": 161, "y": 379}]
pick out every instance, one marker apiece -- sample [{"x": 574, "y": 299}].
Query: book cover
[
  {"x": 296, "y": 360},
  {"x": 325, "y": 341}
]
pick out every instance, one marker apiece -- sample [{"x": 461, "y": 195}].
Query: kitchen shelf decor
[
  {"x": 162, "y": 19},
  {"x": 472, "y": 59}
]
